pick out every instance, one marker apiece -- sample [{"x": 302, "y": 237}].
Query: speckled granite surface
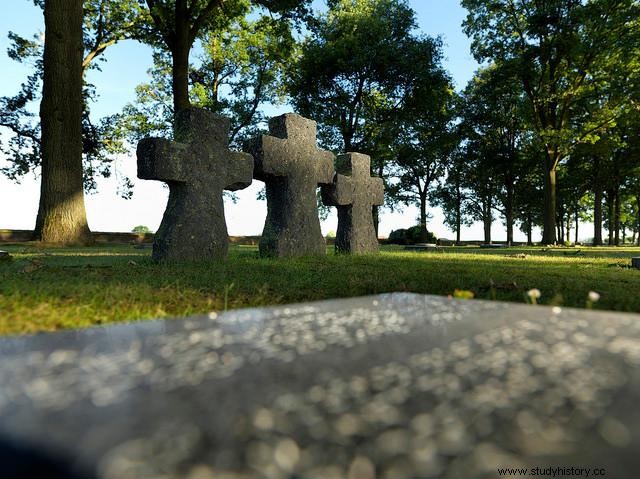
[{"x": 392, "y": 386}]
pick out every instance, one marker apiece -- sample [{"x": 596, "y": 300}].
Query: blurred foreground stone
[{"x": 391, "y": 386}]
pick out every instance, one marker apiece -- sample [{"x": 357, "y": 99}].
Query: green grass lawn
[{"x": 51, "y": 289}]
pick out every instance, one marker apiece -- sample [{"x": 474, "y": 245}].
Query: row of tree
[{"x": 545, "y": 134}]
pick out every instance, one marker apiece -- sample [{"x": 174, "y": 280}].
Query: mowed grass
[{"x": 46, "y": 289}]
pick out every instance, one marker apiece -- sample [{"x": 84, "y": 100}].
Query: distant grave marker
[
  {"x": 423, "y": 247},
  {"x": 354, "y": 192},
  {"x": 197, "y": 168},
  {"x": 291, "y": 165},
  {"x": 635, "y": 262}
]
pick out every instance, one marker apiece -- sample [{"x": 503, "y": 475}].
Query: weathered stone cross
[
  {"x": 354, "y": 192},
  {"x": 197, "y": 168},
  {"x": 292, "y": 166}
]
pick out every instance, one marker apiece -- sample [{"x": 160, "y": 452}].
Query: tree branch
[{"x": 32, "y": 136}]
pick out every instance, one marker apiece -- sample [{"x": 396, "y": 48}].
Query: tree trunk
[
  {"x": 529, "y": 232},
  {"x": 577, "y": 219},
  {"x": 375, "y": 212},
  {"x": 610, "y": 214},
  {"x": 458, "y": 213},
  {"x": 616, "y": 217},
  {"x": 597, "y": 204},
  {"x": 180, "y": 58},
  {"x": 559, "y": 230},
  {"x": 549, "y": 212},
  {"x": 508, "y": 208},
  {"x": 487, "y": 218},
  {"x": 424, "y": 233},
  {"x": 638, "y": 219},
  {"x": 62, "y": 217}
]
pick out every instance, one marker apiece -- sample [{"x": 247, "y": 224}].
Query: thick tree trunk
[
  {"x": 549, "y": 211},
  {"x": 62, "y": 216},
  {"x": 529, "y": 232}
]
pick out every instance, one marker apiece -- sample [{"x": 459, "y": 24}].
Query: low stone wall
[
  {"x": 244, "y": 240},
  {"x": 15, "y": 236},
  {"x": 19, "y": 236}
]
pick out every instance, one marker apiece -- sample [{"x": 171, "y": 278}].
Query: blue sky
[{"x": 126, "y": 67}]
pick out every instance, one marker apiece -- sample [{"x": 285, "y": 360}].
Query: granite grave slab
[
  {"x": 354, "y": 192},
  {"x": 292, "y": 166},
  {"x": 390, "y": 386},
  {"x": 197, "y": 168}
]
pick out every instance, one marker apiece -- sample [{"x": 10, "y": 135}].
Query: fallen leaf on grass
[{"x": 463, "y": 294}]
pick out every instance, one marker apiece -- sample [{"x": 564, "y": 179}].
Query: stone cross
[
  {"x": 292, "y": 166},
  {"x": 354, "y": 192},
  {"x": 197, "y": 168}
]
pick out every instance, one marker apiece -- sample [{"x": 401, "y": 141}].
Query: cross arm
[
  {"x": 324, "y": 167},
  {"x": 377, "y": 191},
  {"x": 338, "y": 193},
  {"x": 271, "y": 156},
  {"x": 239, "y": 171},
  {"x": 162, "y": 160}
]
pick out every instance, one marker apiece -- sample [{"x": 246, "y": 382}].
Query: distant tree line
[
  {"x": 551, "y": 122},
  {"x": 544, "y": 135}
]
